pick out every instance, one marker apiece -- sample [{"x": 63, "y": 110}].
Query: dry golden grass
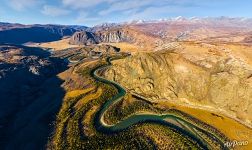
[
  {"x": 198, "y": 49},
  {"x": 56, "y": 45},
  {"x": 242, "y": 51},
  {"x": 231, "y": 128}
]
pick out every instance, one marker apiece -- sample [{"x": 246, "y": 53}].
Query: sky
[{"x": 93, "y": 12}]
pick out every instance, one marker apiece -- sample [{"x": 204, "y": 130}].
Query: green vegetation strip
[
  {"x": 135, "y": 131},
  {"x": 102, "y": 126}
]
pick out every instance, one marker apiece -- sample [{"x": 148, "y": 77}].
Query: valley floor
[{"x": 75, "y": 126}]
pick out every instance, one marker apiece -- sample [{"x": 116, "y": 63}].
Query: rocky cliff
[
  {"x": 107, "y": 36},
  {"x": 224, "y": 85},
  {"x": 83, "y": 38},
  {"x": 114, "y": 35}
]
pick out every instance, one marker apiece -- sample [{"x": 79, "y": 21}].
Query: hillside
[
  {"x": 201, "y": 75},
  {"x": 154, "y": 35},
  {"x": 179, "y": 83},
  {"x": 27, "y": 105},
  {"x": 20, "y": 34},
  {"x": 115, "y": 35}
]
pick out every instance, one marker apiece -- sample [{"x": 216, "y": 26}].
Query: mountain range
[{"x": 20, "y": 34}]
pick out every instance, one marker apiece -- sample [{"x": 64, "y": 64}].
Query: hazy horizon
[
  {"x": 128, "y": 21},
  {"x": 90, "y": 13}
]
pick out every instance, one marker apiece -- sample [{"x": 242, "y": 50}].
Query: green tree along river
[{"x": 171, "y": 120}]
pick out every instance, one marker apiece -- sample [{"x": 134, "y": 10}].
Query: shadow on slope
[
  {"x": 29, "y": 102},
  {"x": 34, "y": 34}
]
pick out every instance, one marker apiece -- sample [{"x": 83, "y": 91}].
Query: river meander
[{"x": 170, "y": 120}]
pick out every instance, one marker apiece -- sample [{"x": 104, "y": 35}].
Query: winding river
[{"x": 170, "y": 120}]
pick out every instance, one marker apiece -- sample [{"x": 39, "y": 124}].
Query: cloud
[
  {"x": 84, "y": 18},
  {"x": 54, "y": 11},
  {"x": 125, "y": 5},
  {"x": 21, "y": 5},
  {"x": 155, "y": 12},
  {"x": 78, "y": 4},
  {"x": 139, "y": 5},
  {"x": 97, "y": 11}
]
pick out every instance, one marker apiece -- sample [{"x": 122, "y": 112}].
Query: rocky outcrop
[
  {"x": 83, "y": 38},
  {"x": 107, "y": 36},
  {"x": 114, "y": 36},
  {"x": 117, "y": 35},
  {"x": 33, "y": 60},
  {"x": 225, "y": 85}
]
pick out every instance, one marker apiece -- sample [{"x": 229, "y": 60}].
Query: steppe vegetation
[{"x": 75, "y": 125}]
